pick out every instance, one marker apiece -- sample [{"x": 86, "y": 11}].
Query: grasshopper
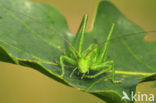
[{"x": 89, "y": 59}]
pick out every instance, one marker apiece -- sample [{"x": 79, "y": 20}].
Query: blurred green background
[{"x": 24, "y": 85}]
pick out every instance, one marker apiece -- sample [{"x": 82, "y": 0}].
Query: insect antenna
[
  {"x": 47, "y": 27},
  {"x": 117, "y": 37}
]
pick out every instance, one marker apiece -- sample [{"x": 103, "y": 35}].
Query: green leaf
[
  {"x": 29, "y": 42},
  {"x": 25, "y": 40}
]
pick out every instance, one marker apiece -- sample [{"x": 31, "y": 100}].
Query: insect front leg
[{"x": 66, "y": 59}]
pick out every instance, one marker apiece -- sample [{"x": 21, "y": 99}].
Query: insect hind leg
[
  {"x": 104, "y": 67},
  {"x": 113, "y": 75}
]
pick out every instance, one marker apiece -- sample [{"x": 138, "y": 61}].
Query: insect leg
[
  {"x": 113, "y": 75},
  {"x": 73, "y": 72},
  {"x": 113, "y": 71},
  {"x": 68, "y": 60},
  {"x": 83, "y": 75},
  {"x": 105, "y": 48},
  {"x": 78, "y": 31},
  {"x": 106, "y": 68},
  {"x": 72, "y": 53},
  {"x": 80, "y": 42},
  {"x": 78, "y": 36}
]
